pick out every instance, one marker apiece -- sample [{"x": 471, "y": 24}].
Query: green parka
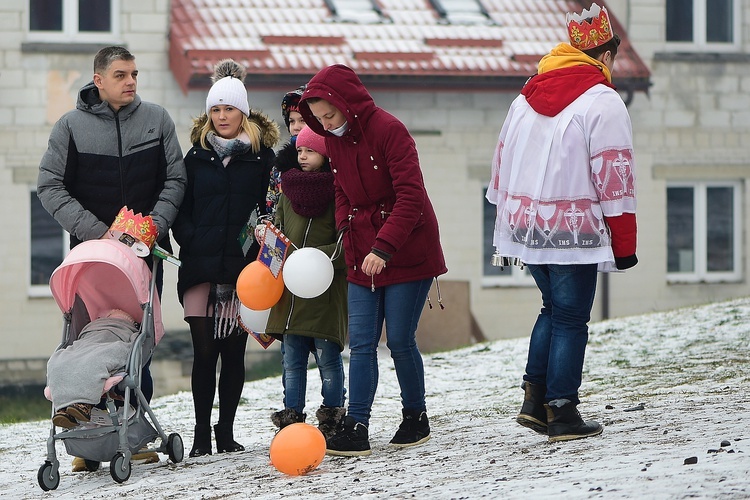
[{"x": 324, "y": 316}]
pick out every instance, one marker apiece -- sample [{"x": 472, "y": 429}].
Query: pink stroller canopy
[{"x": 105, "y": 274}]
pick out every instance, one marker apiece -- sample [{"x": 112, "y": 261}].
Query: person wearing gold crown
[
  {"x": 229, "y": 168},
  {"x": 563, "y": 180}
]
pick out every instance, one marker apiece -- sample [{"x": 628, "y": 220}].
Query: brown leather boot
[
  {"x": 564, "y": 423},
  {"x": 533, "y": 414}
]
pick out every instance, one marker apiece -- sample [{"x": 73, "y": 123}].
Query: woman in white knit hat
[{"x": 228, "y": 171}]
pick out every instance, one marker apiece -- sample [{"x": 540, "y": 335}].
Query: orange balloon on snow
[
  {"x": 257, "y": 289},
  {"x": 297, "y": 449}
]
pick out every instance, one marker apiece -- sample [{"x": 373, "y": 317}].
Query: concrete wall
[{"x": 694, "y": 124}]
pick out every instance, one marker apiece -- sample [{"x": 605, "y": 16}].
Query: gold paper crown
[
  {"x": 585, "y": 34},
  {"x": 136, "y": 225}
]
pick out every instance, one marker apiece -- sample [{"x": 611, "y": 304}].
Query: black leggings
[{"x": 206, "y": 352}]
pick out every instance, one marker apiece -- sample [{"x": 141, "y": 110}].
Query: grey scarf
[{"x": 228, "y": 147}]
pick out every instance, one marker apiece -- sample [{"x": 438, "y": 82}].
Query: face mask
[{"x": 338, "y": 132}]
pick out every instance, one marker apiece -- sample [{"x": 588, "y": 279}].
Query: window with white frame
[
  {"x": 48, "y": 247},
  {"x": 494, "y": 275},
  {"x": 73, "y": 20},
  {"x": 707, "y": 25},
  {"x": 704, "y": 228}
]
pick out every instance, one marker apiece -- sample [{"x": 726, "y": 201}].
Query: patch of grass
[
  {"x": 267, "y": 366},
  {"x": 23, "y": 405},
  {"x": 27, "y": 403}
]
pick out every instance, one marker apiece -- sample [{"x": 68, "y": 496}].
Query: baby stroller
[{"x": 96, "y": 276}]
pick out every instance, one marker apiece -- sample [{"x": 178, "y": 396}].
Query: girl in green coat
[{"x": 305, "y": 214}]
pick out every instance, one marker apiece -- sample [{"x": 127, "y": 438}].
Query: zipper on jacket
[
  {"x": 119, "y": 160},
  {"x": 291, "y": 308},
  {"x": 351, "y": 216}
]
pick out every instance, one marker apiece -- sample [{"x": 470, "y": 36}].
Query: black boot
[
  {"x": 329, "y": 418},
  {"x": 414, "y": 429},
  {"x": 287, "y": 416},
  {"x": 201, "y": 441},
  {"x": 533, "y": 414},
  {"x": 350, "y": 440},
  {"x": 225, "y": 438},
  {"x": 564, "y": 423}
]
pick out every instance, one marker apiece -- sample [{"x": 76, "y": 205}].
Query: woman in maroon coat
[{"x": 392, "y": 247}]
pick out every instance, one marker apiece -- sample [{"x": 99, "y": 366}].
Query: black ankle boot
[
  {"x": 564, "y": 423},
  {"x": 533, "y": 414},
  {"x": 351, "y": 439},
  {"x": 201, "y": 441},
  {"x": 225, "y": 439},
  {"x": 414, "y": 429}
]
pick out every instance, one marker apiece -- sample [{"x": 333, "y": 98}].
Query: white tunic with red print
[{"x": 563, "y": 183}]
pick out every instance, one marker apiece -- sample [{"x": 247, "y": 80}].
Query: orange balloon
[
  {"x": 257, "y": 289},
  {"x": 297, "y": 449}
]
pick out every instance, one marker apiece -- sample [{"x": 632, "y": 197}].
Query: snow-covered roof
[{"x": 400, "y": 44}]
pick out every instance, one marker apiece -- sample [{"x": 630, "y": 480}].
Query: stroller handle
[{"x": 159, "y": 252}]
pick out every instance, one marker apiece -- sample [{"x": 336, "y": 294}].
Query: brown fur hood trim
[{"x": 269, "y": 129}]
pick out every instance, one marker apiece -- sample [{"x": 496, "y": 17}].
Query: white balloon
[
  {"x": 254, "y": 320},
  {"x": 308, "y": 272}
]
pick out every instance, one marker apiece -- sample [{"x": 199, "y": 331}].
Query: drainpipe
[{"x": 605, "y": 296}]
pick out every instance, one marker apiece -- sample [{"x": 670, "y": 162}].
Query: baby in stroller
[{"x": 76, "y": 375}]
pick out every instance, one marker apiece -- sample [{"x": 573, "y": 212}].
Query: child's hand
[{"x": 260, "y": 233}]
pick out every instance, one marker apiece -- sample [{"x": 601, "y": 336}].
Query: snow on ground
[{"x": 667, "y": 387}]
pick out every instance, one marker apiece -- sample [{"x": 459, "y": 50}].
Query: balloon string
[{"x": 339, "y": 247}]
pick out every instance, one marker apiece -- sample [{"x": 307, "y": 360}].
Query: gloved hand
[{"x": 623, "y": 263}]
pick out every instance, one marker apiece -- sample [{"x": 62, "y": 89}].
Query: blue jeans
[
  {"x": 400, "y": 306},
  {"x": 327, "y": 354},
  {"x": 558, "y": 340}
]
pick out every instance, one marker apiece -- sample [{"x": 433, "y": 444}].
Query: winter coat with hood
[
  {"x": 381, "y": 200},
  {"x": 324, "y": 316},
  {"x": 217, "y": 205},
  {"x": 99, "y": 160}
]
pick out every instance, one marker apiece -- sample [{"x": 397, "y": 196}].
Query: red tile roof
[{"x": 284, "y": 42}]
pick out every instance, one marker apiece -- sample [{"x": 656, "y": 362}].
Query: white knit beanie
[{"x": 228, "y": 91}]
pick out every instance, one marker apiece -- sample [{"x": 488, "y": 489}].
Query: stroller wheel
[
  {"x": 175, "y": 448},
  {"x": 92, "y": 465},
  {"x": 119, "y": 468},
  {"x": 48, "y": 477}
]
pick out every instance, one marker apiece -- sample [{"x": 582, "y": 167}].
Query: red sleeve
[{"x": 623, "y": 230}]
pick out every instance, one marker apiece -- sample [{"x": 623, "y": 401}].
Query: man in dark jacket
[{"x": 111, "y": 151}]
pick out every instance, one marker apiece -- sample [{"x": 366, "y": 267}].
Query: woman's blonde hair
[{"x": 251, "y": 128}]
